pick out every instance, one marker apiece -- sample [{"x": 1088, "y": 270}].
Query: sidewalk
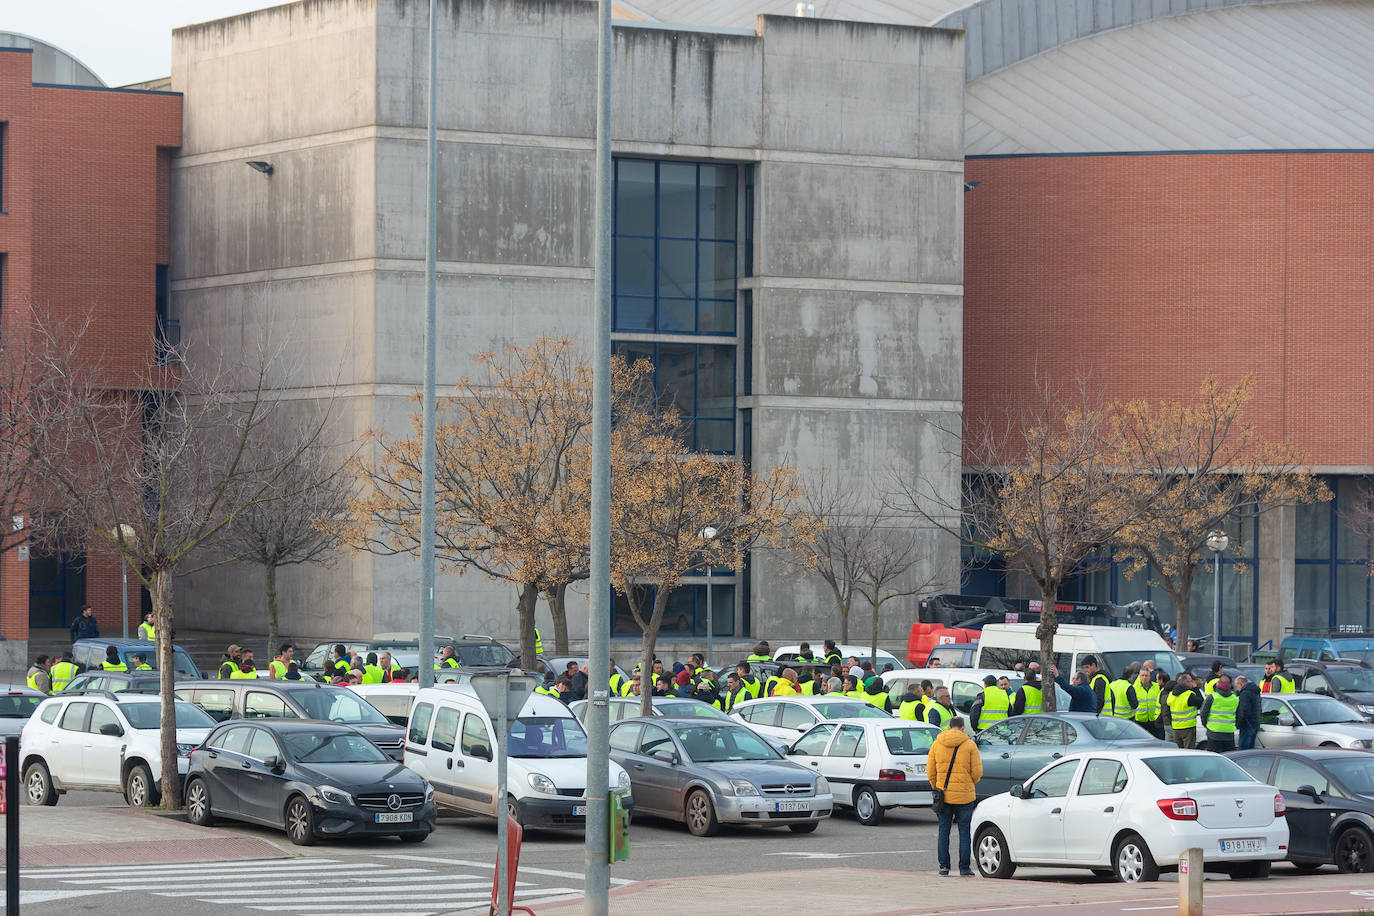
[
  {"x": 125, "y": 836},
  {"x": 903, "y": 893}
]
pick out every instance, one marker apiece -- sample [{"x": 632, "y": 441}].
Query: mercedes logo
[{"x": 393, "y": 802}]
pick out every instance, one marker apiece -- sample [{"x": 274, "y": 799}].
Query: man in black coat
[{"x": 1247, "y": 713}]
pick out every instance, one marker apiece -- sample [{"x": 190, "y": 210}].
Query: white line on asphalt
[
  {"x": 1134, "y": 909},
  {"x": 524, "y": 868},
  {"x": 184, "y": 866},
  {"x": 485, "y": 908},
  {"x": 349, "y": 893},
  {"x": 441, "y": 901},
  {"x": 222, "y": 887},
  {"x": 309, "y": 871}
]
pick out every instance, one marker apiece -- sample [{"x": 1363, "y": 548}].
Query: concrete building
[
  {"x": 788, "y": 241},
  {"x": 85, "y": 189}
]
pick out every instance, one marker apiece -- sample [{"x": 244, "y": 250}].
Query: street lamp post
[
  {"x": 1217, "y": 542},
  {"x": 709, "y": 534},
  {"x": 124, "y": 534}
]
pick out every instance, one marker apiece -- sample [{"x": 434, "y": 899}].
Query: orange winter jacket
[{"x": 968, "y": 766}]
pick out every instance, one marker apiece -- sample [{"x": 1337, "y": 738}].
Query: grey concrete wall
[{"x": 1277, "y": 547}]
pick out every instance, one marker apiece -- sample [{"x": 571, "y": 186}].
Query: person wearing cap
[
  {"x": 230, "y": 662},
  {"x": 875, "y": 692},
  {"x": 141, "y": 662},
  {"x": 372, "y": 672},
  {"x": 682, "y": 684},
  {"x": 911, "y": 705}
]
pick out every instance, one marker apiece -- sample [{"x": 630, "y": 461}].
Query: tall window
[{"x": 1331, "y": 584}]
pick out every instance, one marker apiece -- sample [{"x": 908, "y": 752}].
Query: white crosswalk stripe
[{"x": 411, "y": 885}]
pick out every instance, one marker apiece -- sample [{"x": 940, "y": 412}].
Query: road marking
[
  {"x": 492, "y": 865},
  {"x": 196, "y": 879},
  {"x": 219, "y": 887},
  {"x": 153, "y": 870},
  {"x": 442, "y": 902},
  {"x": 26, "y": 897},
  {"x": 1134, "y": 909}
]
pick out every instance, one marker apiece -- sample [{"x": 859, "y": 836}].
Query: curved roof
[{"x": 50, "y": 63}]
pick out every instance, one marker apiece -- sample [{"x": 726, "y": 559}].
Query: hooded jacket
[
  {"x": 1248, "y": 712},
  {"x": 968, "y": 766}
]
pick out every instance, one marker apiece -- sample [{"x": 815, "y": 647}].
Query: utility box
[{"x": 620, "y": 829}]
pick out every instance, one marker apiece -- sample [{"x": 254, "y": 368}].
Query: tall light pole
[
  {"x": 597, "y": 874},
  {"x": 709, "y": 534},
  {"x": 426, "y": 662},
  {"x": 1217, "y": 542}
]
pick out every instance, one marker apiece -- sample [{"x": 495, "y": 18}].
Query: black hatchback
[
  {"x": 315, "y": 780},
  {"x": 1330, "y": 797}
]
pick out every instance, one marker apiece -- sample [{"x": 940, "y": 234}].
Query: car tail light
[
  {"x": 1178, "y": 809},
  {"x": 896, "y": 775},
  {"x": 1280, "y": 809}
]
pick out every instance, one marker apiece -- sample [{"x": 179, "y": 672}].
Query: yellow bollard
[{"x": 1190, "y": 883}]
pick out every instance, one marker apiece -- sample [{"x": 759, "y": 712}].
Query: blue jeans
[
  {"x": 1245, "y": 738},
  {"x": 964, "y": 815}
]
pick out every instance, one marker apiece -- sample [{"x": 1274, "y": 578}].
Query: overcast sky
[{"x": 123, "y": 41}]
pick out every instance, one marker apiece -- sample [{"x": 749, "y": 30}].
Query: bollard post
[
  {"x": 11, "y": 808},
  {"x": 1190, "y": 871}
]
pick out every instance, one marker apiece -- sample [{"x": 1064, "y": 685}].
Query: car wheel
[
  {"x": 513, "y": 810},
  {"x": 804, "y": 828},
  {"x": 38, "y": 788},
  {"x": 198, "y": 803},
  {"x": 866, "y": 807},
  {"x": 701, "y": 814},
  {"x": 138, "y": 786},
  {"x": 1355, "y": 851},
  {"x": 1133, "y": 862},
  {"x": 1243, "y": 871},
  {"x": 993, "y": 855},
  {"x": 414, "y": 837},
  {"x": 300, "y": 822}
]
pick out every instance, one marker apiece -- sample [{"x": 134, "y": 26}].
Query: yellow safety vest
[
  {"x": 1211, "y": 686},
  {"x": 277, "y": 667},
  {"x": 33, "y": 682},
  {"x": 147, "y": 631},
  {"x": 144, "y": 667},
  {"x": 1035, "y": 699},
  {"x": 62, "y": 674},
  {"x": 758, "y": 658},
  {"x": 1182, "y": 715},
  {"x": 237, "y": 675},
  {"x": 1121, "y": 705},
  {"x": 911, "y": 709},
  {"x": 1148, "y": 710},
  {"x": 877, "y": 699},
  {"x": 1221, "y": 718},
  {"x": 538, "y": 643},
  {"x": 808, "y": 688},
  {"x": 1285, "y": 684},
  {"x": 449, "y": 662},
  {"x": 373, "y": 674},
  {"x": 751, "y": 684},
  {"x": 113, "y": 666},
  {"x": 784, "y": 688},
  {"x": 620, "y": 685},
  {"x": 996, "y": 706},
  {"x": 1106, "y": 692},
  {"x": 945, "y": 715}
]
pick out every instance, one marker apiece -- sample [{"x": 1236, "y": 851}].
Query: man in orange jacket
[{"x": 954, "y": 766}]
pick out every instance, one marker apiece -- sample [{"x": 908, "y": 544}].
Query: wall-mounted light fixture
[{"x": 260, "y": 166}]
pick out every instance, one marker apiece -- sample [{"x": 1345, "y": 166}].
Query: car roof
[
  {"x": 1316, "y": 663},
  {"x": 21, "y": 690},
  {"x": 1316, "y": 753},
  {"x": 688, "y": 721}
]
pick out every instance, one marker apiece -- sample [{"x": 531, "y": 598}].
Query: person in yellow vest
[
  {"x": 277, "y": 667},
  {"x": 1276, "y": 680},
  {"x": 810, "y": 681},
  {"x": 1147, "y": 709},
  {"x": 112, "y": 660},
  {"x": 146, "y": 629},
  {"x": 770, "y": 684},
  {"x": 1030, "y": 699},
  {"x": 912, "y": 704},
  {"x": 446, "y": 659},
  {"x": 619, "y": 683},
  {"x": 1124, "y": 698},
  {"x": 1219, "y": 716},
  {"x": 786, "y": 684},
  {"x": 735, "y": 692},
  {"x": 1218, "y": 669},
  {"x": 372, "y": 672},
  {"x": 991, "y": 706},
  {"x": 231, "y": 661},
  {"x": 1098, "y": 682},
  {"x": 141, "y": 662},
  {"x": 832, "y": 654},
  {"x": 63, "y": 671},
  {"x": 38, "y": 678},
  {"x": 245, "y": 671},
  {"x": 1183, "y": 702},
  {"x": 852, "y": 688},
  {"x": 760, "y": 654},
  {"x": 942, "y": 710},
  {"x": 538, "y": 643},
  {"x": 875, "y": 692},
  {"x": 339, "y": 665},
  {"x": 750, "y": 682}
]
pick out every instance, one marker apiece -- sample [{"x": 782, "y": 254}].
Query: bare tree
[
  {"x": 1360, "y": 518},
  {"x": 157, "y": 472},
  {"x": 885, "y": 570},
  {"x": 845, "y": 531}
]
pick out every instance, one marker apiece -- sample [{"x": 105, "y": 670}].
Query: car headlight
[
  {"x": 822, "y": 786},
  {"x": 1367, "y": 710},
  {"x": 1365, "y": 743},
  {"x": 743, "y": 787},
  {"x": 624, "y": 781},
  {"x": 429, "y": 792},
  {"x": 541, "y": 783},
  {"x": 335, "y": 796},
  {"x": 184, "y": 750}
]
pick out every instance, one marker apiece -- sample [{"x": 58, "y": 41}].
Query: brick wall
[{"x": 1147, "y": 272}]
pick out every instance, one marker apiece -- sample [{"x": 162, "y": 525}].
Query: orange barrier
[{"x": 514, "y": 834}]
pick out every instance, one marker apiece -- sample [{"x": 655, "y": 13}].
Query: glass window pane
[
  {"x": 677, "y": 199},
  {"x": 633, "y": 351},
  {"x": 676, "y": 315},
  {"x": 1312, "y": 595},
  {"x": 1313, "y": 531},
  {"x": 1352, "y": 502},
  {"x": 679, "y": 615},
  {"x": 676, "y": 377},
  {"x": 716, "y": 276},
  {"x": 634, "y": 314},
  {"x": 716, "y": 390},
  {"x": 715, "y": 316},
  {"x": 716, "y": 436},
  {"x": 634, "y": 267},
  {"x": 677, "y": 269},
  {"x": 722, "y": 609},
  {"x": 634, "y": 197},
  {"x": 1352, "y": 595},
  {"x": 718, "y": 201},
  {"x": 1237, "y": 601}
]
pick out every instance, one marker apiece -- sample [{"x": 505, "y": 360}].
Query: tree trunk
[
  {"x": 877, "y": 607},
  {"x": 1182, "y": 596},
  {"x": 1049, "y": 625},
  {"x": 529, "y": 597},
  {"x": 556, "y": 598},
  {"x": 842, "y": 605},
  {"x": 166, "y": 664},
  {"x": 646, "y": 651},
  {"x": 271, "y": 610}
]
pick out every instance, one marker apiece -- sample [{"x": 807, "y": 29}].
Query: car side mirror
[
  {"x": 275, "y": 764},
  {"x": 1288, "y": 720},
  {"x": 1311, "y": 792},
  {"x": 1018, "y": 791},
  {"x": 482, "y": 752},
  {"x": 667, "y": 757},
  {"x": 112, "y": 729},
  {"x": 1323, "y": 691}
]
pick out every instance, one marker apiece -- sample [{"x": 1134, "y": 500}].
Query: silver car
[
  {"x": 17, "y": 703},
  {"x": 707, "y": 773},
  {"x": 1311, "y": 720}
]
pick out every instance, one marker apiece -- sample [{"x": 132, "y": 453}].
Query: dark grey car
[
  {"x": 1016, "y": 749},
  {"x": 706, "y": 773}
]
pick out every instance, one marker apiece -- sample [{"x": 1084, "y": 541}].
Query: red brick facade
[
  {"x": 1147, "y": 272},
  {"x": 86, "y": 202}
]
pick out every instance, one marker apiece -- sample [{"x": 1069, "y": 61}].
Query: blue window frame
[
  {"x": 685, "y": 614},
  {"x": 696, "y": 380},
  {"x": 1331, "y": 584}
]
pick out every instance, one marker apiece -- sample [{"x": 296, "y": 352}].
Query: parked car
[
  {"x": 952, "y": 655},
  {"x": 1309, "y": 720},
  {"x": 1350, "y": 682},
  {"x": 706, "y": 773},
  {"x": 90, "y": 655},
  {"x": 787, "y": 718},
  {"x": 315, "y": 780},
  {"x": 17, "y": 704},
  {"x": 677, "y": 707},
  {"x": 1015, "y": 748},
  {"x": 1002, "y": 645},
  {"x": 1200, "y": 665},
  {"x": 788, "y": 654},
  {"x": 1330, "y": 798},
  {"x": 108, "y": 743},
  {"x": 1327, "y": 648},
  {"x": 258, "y": 699},
  {"x": 391, "y": 700},
  {"x": 1131, "y": 813},
  {"x": 118, "y": 681},
  {"x": 451, "y": 742},
  {"x": 871, "y": 765}
]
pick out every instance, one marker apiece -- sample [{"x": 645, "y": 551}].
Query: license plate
[
  {"x": 1247, "y": 845},
  {"x": 579, "y": 810},
  {"x": 396, "y": 817},
  {"x": 790, "y": 806}
]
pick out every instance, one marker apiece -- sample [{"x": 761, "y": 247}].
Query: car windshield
[
  {"x": 148, "y": 715},
  {"x": 1324, "y": 711},
  {"x": 323, "y": 747},
  {"x": 1112, "y": 729},
  {"x": 721, "y": 743},
  {"x": 688, "y": 709},
  {"x": 1355, "y": 773},
  {"x": 909, "y": 740},
  {"x": 1360, "y": 655},
  {"x": 839, "y": 710},
  {"x": 547, "y": 736},
  {"x": 1173, "y": 771},
  {"x": 333, "y": 704},
  {"x": 1166, "y": 660},
  {"x": 483, "y": 655},
  {"x": 18, "y": 705},
  {"x": 1352, "y": 679}
]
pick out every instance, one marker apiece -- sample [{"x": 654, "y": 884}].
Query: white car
[
  {"x": 1131, "y": 813},
  {"x": 871, "y": 765},
  {"x": 391, "y": 700},
  {"x": 787, "y": 718},
  {"x": 862, "y": 653},
  {"x": 107, "y": 743}
]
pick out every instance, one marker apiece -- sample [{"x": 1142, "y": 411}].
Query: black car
[
  {"x": 315, "y": 780},
  {"x": 259, "y": 699},
  {"x": 1330, "y": 797},
  {"x": 1350, "y": 682}
]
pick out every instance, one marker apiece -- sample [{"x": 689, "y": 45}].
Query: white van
[
  {"x": 1002, "y": 645},
  {"x": 449, "y": 742}
]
